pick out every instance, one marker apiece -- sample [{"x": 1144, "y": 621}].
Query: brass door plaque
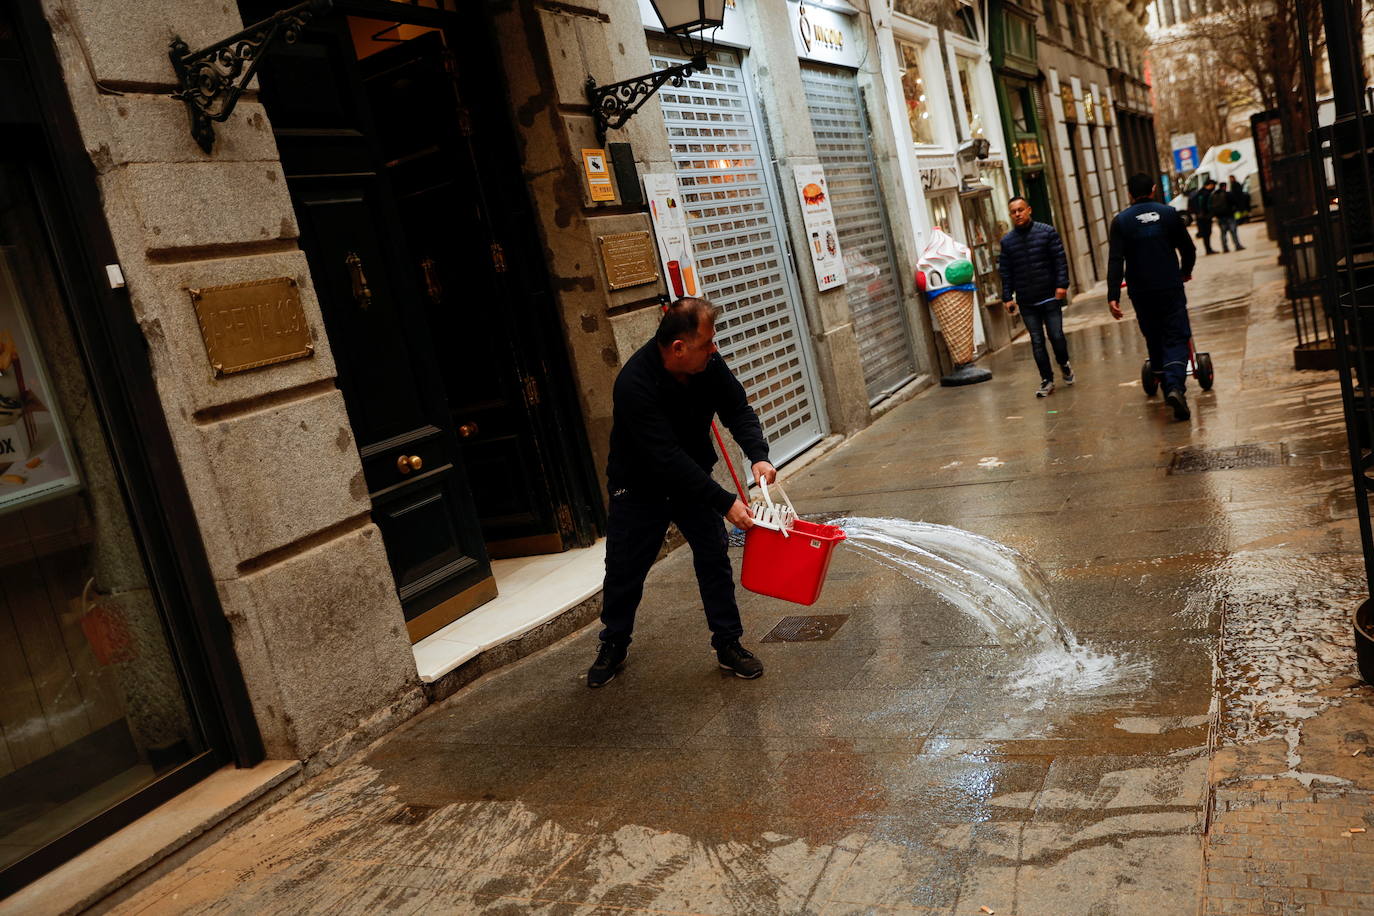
[
  {"x": 249, "y": 325},
  {"x": 630, "y": 259}
]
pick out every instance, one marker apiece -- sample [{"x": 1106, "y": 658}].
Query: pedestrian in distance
[
  {"x": 1240, "y": 203},
  {"x": 1035, "y": 278},
  {"x": 1149, "y": 244},
  {"x": 1223, "y": 209},
  {"x": 1201, "y": 208},
  {"x": 659, "y": 471}
]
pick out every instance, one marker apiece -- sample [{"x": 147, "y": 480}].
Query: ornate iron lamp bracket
[
  {"x": 615, "y": 104},
  {"x": 211, "y": 80}
]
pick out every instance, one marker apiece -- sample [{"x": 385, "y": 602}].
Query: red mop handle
[{"x": 729, "y": 464}]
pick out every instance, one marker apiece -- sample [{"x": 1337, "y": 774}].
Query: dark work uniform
[
  {"x": 659, "y": 471},
  {"x": 1151, "y": 239}
]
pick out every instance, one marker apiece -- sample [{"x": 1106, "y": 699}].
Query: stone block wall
[{"x": 268, "y": 455}]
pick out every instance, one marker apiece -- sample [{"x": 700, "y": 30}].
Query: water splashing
[{"x": 1004, "y": 592}]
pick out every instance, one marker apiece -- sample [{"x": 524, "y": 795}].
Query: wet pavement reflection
[{"x": 889, "y": 768}]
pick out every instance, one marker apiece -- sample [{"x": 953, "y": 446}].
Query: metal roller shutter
[
  {"x": 875, "y": 298},
  {"x": 732, "y": 215}
]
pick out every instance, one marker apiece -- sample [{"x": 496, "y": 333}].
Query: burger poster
[
  {"x": 35, "y": 452},
  {"x": 822, "y": 238}
]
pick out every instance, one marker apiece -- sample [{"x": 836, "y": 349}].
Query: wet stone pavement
[{"x": 890, "y": 768}]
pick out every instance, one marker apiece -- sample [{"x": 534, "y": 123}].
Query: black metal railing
[{"x": 1341, "y": 167}]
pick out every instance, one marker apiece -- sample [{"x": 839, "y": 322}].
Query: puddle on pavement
[{"x": 1004, "y": 592}]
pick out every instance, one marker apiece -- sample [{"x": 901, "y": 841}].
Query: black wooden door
[
  {"x": 427, "y": 136},
  {"x": 374, "y": 309}
]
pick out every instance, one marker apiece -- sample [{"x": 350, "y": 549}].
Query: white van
[{"x": 1219, "y": 163}]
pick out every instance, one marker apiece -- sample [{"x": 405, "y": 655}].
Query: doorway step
[{"x": 540, "y": 600}]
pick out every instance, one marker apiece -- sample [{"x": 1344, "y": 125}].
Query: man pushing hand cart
[{"x": 1151, "y": 243}]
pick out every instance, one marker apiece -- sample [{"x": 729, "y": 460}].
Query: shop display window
[
  {"x": 92, "y": 704},
  {"x": 973, "y": 109},
  {"x": 915, "y": 88}
]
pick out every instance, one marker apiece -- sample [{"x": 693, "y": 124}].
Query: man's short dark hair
[
  {"x": 1140, "y": 185},
  {"x": 1209, "y": 181},
  {"x": 682, "y": 320},
  {"x": 1016, "y": 198}
]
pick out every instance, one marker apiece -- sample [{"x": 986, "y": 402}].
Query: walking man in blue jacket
[
  {"x": 1035, "y": 271},
  {"x": 1159, "y": 257}
]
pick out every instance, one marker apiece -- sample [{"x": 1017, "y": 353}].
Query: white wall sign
[
  {"x": 822, "y": 237},
  {"x": 824, "y": 35},
  {"x": 670, "y": 229}
]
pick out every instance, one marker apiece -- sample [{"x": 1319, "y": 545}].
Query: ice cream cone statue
[{"x": 945, "y": 274}]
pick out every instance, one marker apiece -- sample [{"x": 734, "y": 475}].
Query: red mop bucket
[{"x": 787, "y": 563}]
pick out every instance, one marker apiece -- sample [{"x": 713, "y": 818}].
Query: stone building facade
[{"x": 361, "y": 343}]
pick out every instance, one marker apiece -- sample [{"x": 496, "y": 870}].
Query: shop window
[
  {"x": 916, "y": 89},
  {"x": 92, "y": 703},
  {"x": 1020, "y": 37},
  {"x": 968, "y": 84}
]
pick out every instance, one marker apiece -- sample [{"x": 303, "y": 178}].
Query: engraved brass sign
[
  {"x": 249, "y": 325},
  {"x": 630, "y": 259}
]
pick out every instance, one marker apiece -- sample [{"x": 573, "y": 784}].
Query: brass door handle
[
  {"x": 361, "y": 293},
  {"x": 467, "y": 430},
  {"x": 407, "y": 463}
]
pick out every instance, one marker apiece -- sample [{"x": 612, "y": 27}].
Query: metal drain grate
[
  {"x": 806, "y": 629},
  {"x": 1194, "y": 460}
]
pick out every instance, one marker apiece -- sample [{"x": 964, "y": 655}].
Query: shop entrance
[{"x": 402, "y": 167}]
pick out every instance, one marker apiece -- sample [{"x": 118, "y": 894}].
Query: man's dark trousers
[
  {"x": 1204, "y": 232},
  {"x": 1041, "y": 319},
  {"x": 634, "y": 534},
  {"x": 1163, "y": 318}
]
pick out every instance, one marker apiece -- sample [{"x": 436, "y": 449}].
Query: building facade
[{"x": 293, "y": 380}]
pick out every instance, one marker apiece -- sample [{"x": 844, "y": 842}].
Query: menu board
[
  {"x": 670, "y": 228},
  {"x": 822, "y": 238},
  {"x": 36, "y": 460}
]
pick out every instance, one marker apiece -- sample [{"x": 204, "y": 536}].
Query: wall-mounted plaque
[
  {"x": 249, "y": 325},
  {"x": 630, "y": 259}
]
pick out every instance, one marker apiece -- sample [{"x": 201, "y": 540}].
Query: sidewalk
[{"x": 887, "y": 768}]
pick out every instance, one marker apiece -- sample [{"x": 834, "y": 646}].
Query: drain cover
[
  {"x": 806, "y": 629},
  {"x": 1193, "y": 460}
]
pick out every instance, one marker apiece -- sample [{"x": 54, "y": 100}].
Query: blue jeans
[
  {"x": 1163, "y": 318},
  {"x": 1228, "y": 224},
  {"x": 1042, "y": 319},
  {"x": 634, "y": 532}
]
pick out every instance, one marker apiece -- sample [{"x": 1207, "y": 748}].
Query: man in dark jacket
[
  {"x": 1035, "y": 271},
  {"x": 1223, "y": 207},
  {"x": 1240, "y": 203},
  {"x": 1202, "y": 212},
  {"x": 1158, "y": 257},
  {"x": 659, "y": 471}
]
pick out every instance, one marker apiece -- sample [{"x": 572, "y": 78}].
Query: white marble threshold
[{"x": 531, "y": 591}]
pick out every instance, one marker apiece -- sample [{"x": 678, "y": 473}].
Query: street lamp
[
  {"x": 686, "y": 20},
  {"x": 1223, "y": 112}
]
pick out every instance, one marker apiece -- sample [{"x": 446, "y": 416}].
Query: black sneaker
[
  {"x": 1046, "y": 388},
  {"x": 1067, "y": 370},
  {"x": 736, "y": 658},
  {"x": 1179, "y": 403},
  {"x": 609, "y": 658}
]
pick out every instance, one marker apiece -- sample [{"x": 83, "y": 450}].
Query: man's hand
[
  {"x": 1116, "y": 309},
  {"x": 1010, "y": 306},
  {"x": 1061, "y": 293},
  {"x": 739, "y": 515},
  {"x": 765, "y": 472}
]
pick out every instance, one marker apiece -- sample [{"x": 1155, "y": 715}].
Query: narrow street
[{"x": 890, "y": 768}]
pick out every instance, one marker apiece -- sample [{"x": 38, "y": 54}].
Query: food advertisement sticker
[
  {"x": 670, "y": 229},
  {"x": 35, "y": 452},
  {"x": 821, "y": 235}
]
